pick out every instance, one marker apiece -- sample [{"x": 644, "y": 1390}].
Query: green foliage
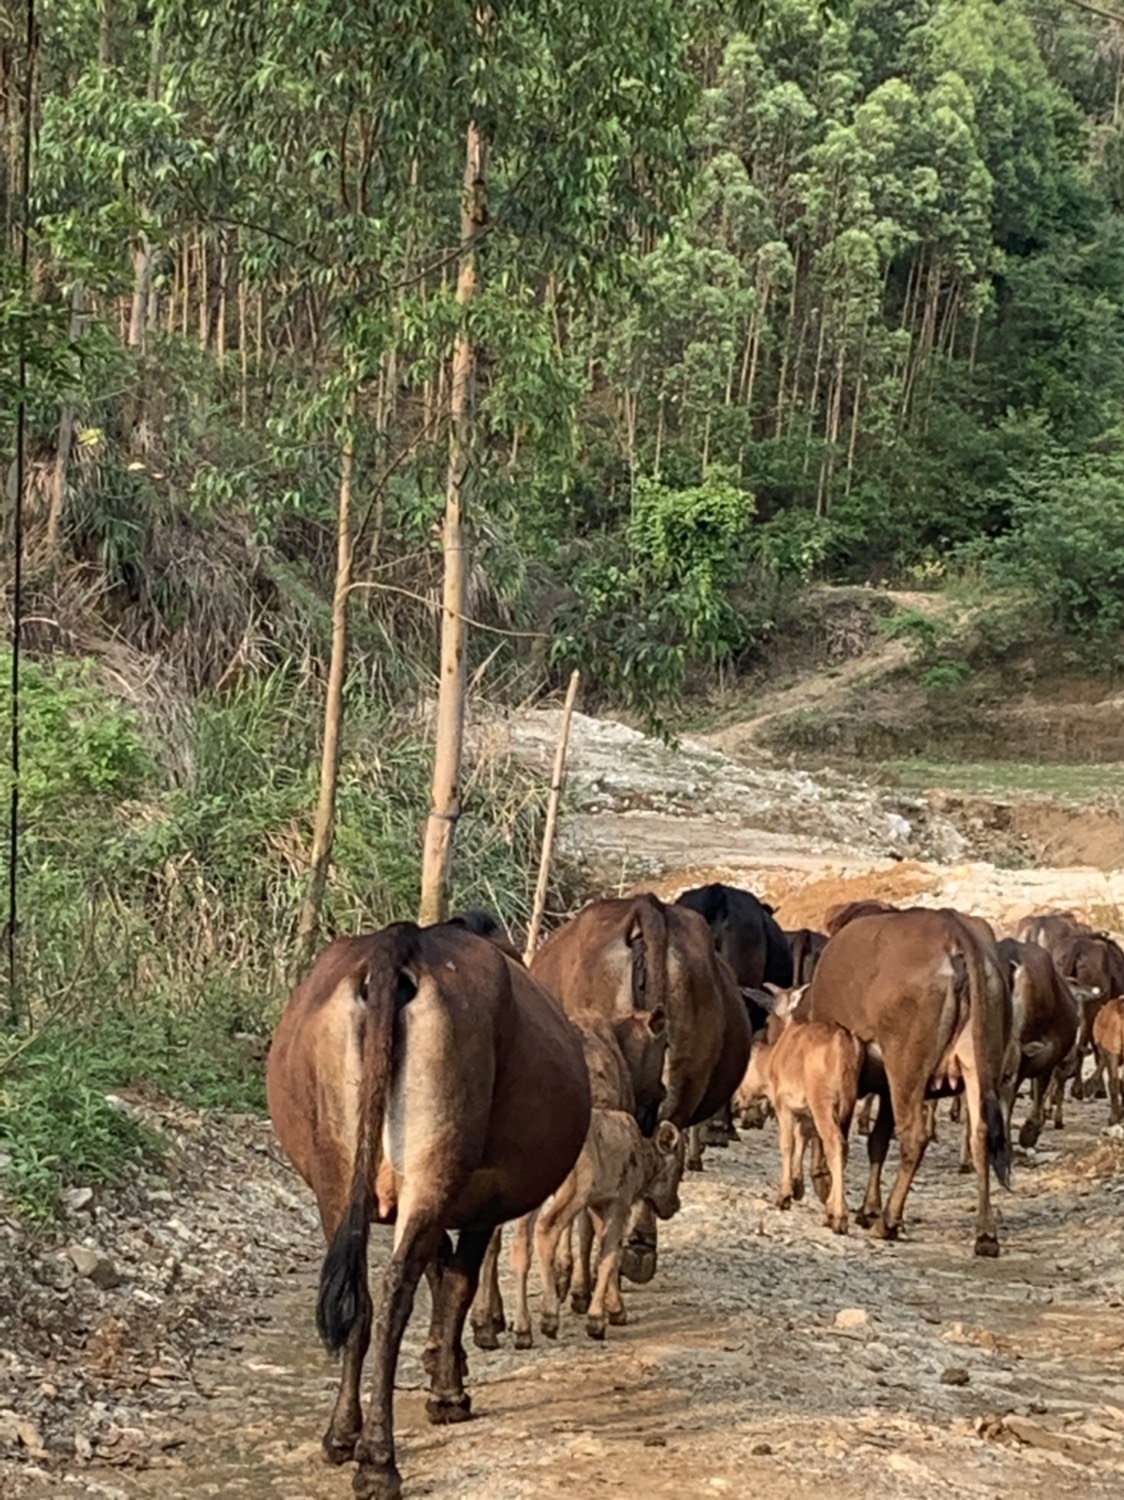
[
  {"x": 1065, "y": 548},
  {"x": 637, "y": 629}
]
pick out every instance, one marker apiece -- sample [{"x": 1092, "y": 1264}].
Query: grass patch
[
  {"x": 1078, "y": 785},
  {"x": 59, "y": 1126}
]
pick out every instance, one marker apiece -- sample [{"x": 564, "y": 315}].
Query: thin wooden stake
[{"x": 551, "y": 819}]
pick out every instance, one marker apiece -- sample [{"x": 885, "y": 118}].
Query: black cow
[{"x": 745, "y": 934}]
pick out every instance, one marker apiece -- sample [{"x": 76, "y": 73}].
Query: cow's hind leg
[
  {"x": 416, "y": 1242},
  {"x": 694, "y": 1148},
  {"x": 610, "y": 1237},
  {"x": 984, "y": 1121},
  {"x": 1111, "y": 1064},
  {"x": 554, "y": 1220},
  {"x": 449, "y": 1401},
  {"x": 434, "y": 1273},
  {"x": 487, "y": 1309},
  {"x": 521, "y": 1237},
  {"x": 346, "y": 1423},
  {"x": 581, "y": 1280},
  {"x": 878, "y": 1143},
  {"x": 913, "y": 1137},
  {"x": 1032, "y": 1126}
]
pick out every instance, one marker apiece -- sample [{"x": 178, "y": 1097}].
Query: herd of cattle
[{"x": 427, "y": 1078}]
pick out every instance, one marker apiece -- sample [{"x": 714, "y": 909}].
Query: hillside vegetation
[{"x": 759, "y": 297}]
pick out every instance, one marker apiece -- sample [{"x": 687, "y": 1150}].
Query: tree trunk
[
  {"x": 324, "y": 828},
  {"x": 437, "y": 857},
  {"x": 66, "y": 438},
  {"x": 143, "y": 257}
]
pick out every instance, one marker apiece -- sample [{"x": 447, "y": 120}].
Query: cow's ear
[
  {"x": 657, "y": 1021},
  {"x": 667, "y": 1138}
]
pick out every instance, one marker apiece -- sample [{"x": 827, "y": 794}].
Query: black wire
[{"x": 15, "y": 1008}]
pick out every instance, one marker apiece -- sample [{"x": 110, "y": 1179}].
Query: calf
[
  {"x": 810, "y": 1075},
  {"x": 617, "y": 1167},
  {"x": 418, "y": 1077},
  {"x": 1108, "y": 1036},
  {"x": 625, "y": 1058}
]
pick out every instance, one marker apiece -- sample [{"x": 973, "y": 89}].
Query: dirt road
[{"x": 767, "y": 1356}]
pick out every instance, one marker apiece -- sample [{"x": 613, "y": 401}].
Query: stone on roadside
[
  {"x": 852, "y": 1317},
  {"x": 94, "y": 1266}
]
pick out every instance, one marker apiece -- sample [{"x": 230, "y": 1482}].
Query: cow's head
[{"x": 662, "y": 1187}]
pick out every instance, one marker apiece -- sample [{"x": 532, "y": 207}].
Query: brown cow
[
  {"x": 930, "y": 1003},
  {"x": 810, "y": 1075},
  {"x": 806, "y": 945},
  {"x": 835, "y": 918},
  {"x": 635, "y": 952},
  {"x": 1094, "y": 964},
  {"x": 1044, "y": 1026},
  {"x": 418, "y": 1077},
  {"x": 1051, "y": 930},
  {"x": 1108, "y": 1035},
  {"x": 617, "y": 1168},
  {"x": 625, "y": 1058}
]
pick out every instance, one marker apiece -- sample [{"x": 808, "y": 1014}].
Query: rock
[
  {"x": 94, "y": 1266},
  {"x": 654, "y": 1440},
  {"x": 955, "y": 1375},
  {"x": 852, "y": 1317},
  {"x": 76, "y": 1199},
  {"x": 9, "y": 1427},
  {"x": 761, "y": 1450}
]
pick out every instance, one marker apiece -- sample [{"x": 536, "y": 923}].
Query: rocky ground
[
  {"x": 162, "y": 1345},
  {"x": 768, "y": 1355}
]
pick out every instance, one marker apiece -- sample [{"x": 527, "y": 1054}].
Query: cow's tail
[
  {"x": 648, "y": 940},
  {"x": 383, "y": 988},
  {"x": 998, "y": 1145},
  {"x": 848, "y": 1083}
]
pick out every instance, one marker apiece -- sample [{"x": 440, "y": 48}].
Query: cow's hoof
[
  {"x": 499, "y": 1322},
  {"x": 483, "y": 1336},
  {"x": 694, "y": 1164},
  {"x": 965, "y": 1168},
  {"x": 638, "y": 1263},
  {"x": 784, "y": 1200},
  {"x": 595, "y": 1328},
  {"x": 377, "y": 1484},
  {"x": 579, "y": 1303},
  {"x": 864, "y": 1218},
  {"x": 882, "y": 1230},
  {"x": 837, "y": 1226},
  {"x": 1100, "y": 1092},
  {"x": 443, "y": 1412},
  {"x": 1029, "y": 1133},
  {"x": 549, "y": 1326},
  {"x": 377, "y": 1481},
  {"x": 1059, "y": 1124},
  {"x": 523, "y": 1339},
  {"x": 987, "y": 1245},
  {"x": 618, "y": 1317},
  {"x": 339, "y": 1450},
  {"x": 798, "y": 1190}
]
